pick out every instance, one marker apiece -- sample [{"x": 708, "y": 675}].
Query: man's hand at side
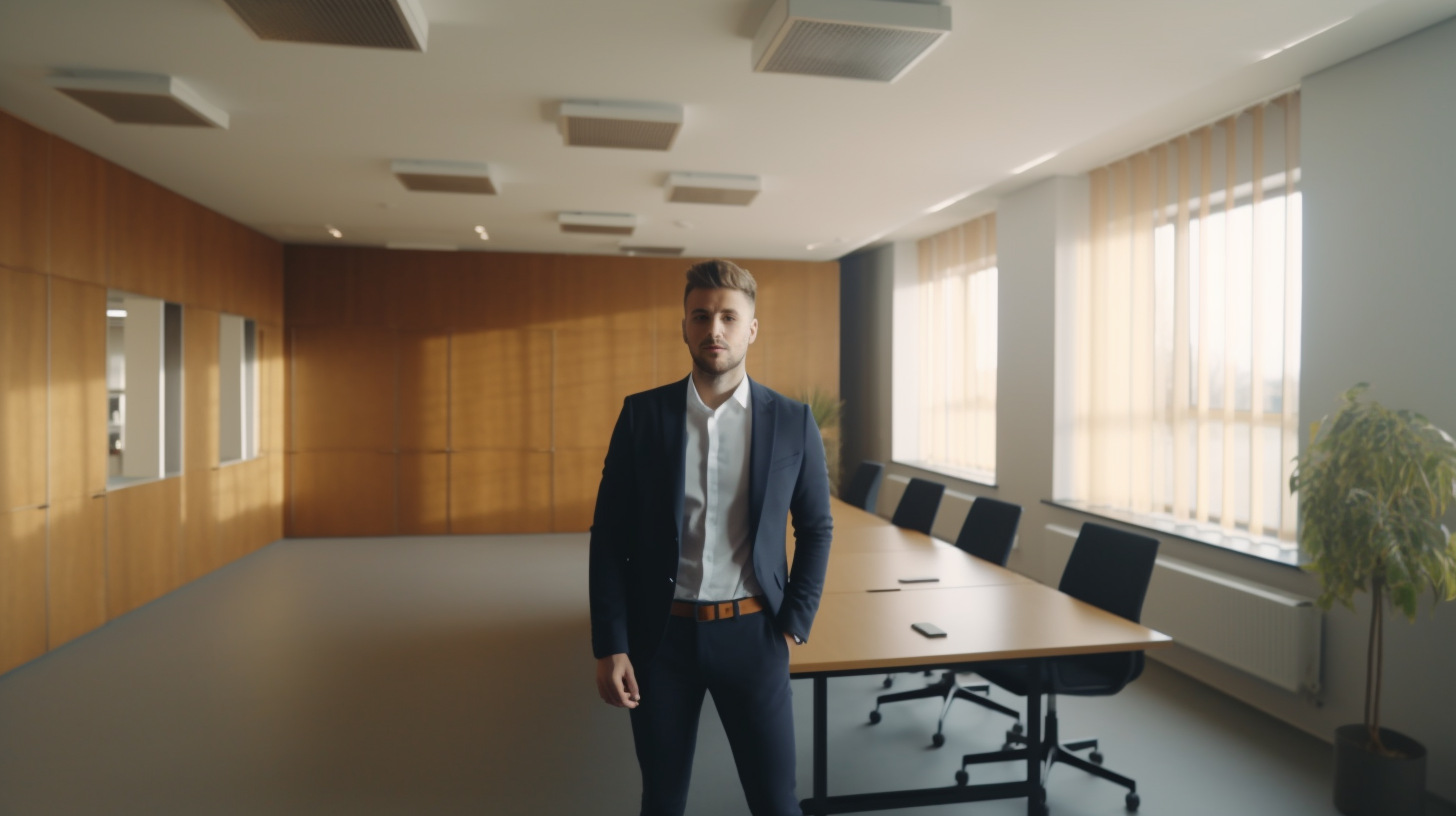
[{"x": 616, "y": 683}]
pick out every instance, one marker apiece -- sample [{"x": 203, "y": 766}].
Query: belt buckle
[{"x": 725, "y": 609}]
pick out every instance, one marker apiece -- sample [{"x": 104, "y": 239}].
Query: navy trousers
[{"x": 744, "y": 663}]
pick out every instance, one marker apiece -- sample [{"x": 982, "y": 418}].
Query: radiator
[{"x": 1267, "y": 632}]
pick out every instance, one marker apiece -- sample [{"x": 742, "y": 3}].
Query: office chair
[
  {"x": 916, "y": 511},
  {"x": 863, "y": 489},
  {"x": 919, "y": 505},
  {"x": 1109, "y": 569},
  {"x": 988, "y": 534}
]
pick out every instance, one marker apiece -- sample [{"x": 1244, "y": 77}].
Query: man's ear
[
  {"x": 684, "y": 325},
  {"x": 752, "y": 331}
]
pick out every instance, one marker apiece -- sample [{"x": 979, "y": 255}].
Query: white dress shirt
[{"x": 715, "y": 562}]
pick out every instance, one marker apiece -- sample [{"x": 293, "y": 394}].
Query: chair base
[
  {"x": 949, "y": 689},
  {"x": 1054, "y": 752}
]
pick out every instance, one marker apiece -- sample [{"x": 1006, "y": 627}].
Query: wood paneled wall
[
  {"x": 72, "y": 554},
  {"x": 464, "y": 392}
]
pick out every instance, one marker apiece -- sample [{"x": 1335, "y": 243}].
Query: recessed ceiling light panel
[
  {"x": 140, "y": 99},
  {"x": 712, "y": 188},
  {"x": 445, "y": 176},
  {"x": 597, "y": 223},
  {"x": 633, "y": 125},
  {"x": 856, "y": 39},
  {"x": 367, "y": 23}
]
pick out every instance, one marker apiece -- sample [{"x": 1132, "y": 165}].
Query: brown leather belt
[{"x": 718, "y": 611}]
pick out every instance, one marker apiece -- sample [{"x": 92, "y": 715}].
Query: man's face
[{"x": 718, "y": 326}]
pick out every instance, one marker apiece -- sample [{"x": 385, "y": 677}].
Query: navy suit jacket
[{"x": 638, "y": 525}]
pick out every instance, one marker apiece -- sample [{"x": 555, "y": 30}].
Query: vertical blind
[
  {"x": 956, "y": 346},
  {"x": 1187, "y": 312}
]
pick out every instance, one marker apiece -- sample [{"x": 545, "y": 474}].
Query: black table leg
[
  {"x": 821, "y": 745},
  {"x": 1036, "y": 798}
]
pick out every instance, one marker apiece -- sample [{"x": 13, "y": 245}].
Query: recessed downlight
[{"x": 333, "y": 230}]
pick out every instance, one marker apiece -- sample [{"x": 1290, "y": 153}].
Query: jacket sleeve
[
  {"x": 813, "y": 531},
  {"x": 612, "y": 532}
]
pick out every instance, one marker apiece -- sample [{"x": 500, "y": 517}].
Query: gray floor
[{"x": 453, "y": 675}]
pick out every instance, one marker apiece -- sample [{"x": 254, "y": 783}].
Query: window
[
  {"x": 237, "y": 388},
  {"x": 144, "y": 388},
  {"x": 1185, "y": 357},
  {"x": 951, "y": 427}
]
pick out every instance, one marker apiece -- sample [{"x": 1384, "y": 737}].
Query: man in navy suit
[{"x": 691, "y": 591}]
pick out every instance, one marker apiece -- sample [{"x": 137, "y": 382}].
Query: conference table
[{"x": 989, "y": 613}]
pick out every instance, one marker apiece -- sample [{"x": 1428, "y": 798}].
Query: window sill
[
  {"x": 231, "y": 462},
  {"x": 1264, "y": 549},
  {"x": 975, "y": 477}
]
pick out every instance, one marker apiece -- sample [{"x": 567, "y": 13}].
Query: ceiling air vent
[
  {"x": 635, "y": 125},
  {"x": 856, "y": 39},
  {"x": 366, "y": 23},
  {"x": 598, "y": 223},
  {"x": 657, "y": 251},
  {"x": 712, "y": 188},
  {"x": 444, "y": 176},
  {"x": 140, "y": 99}
]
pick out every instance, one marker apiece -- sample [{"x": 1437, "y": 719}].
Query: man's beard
[{"x": 721, "y": 366}]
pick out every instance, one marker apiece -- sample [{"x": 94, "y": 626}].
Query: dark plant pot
[{"x": 1368, "y": 784}]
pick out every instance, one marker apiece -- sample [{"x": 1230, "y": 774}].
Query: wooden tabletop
[
  {"x": 864, "y": 630},
  {"x": 987, "y": 612},
  {"x": 883, "y": 570}
]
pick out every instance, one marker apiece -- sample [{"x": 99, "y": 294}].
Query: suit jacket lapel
[
  {"x": 674, "y": 443},
  {"x": 760, "y": 453}
]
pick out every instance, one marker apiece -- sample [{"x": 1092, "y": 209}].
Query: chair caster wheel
[
  {"x": 928, "y": 672},
  {"x": 874, "y": 717},
  {"x": 937, "y": 740},
  {"x": 1133, "y": 801},
  {"x": 1006, "y": 747},
  {"x": 889, "y": 681},
  {"x": 962, "y": 777},
  {"x": 1017, "y": 728},
  {"x": 1096, "y": 757}
]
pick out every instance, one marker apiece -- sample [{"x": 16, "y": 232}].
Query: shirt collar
[{"x": 740, "y": 395}]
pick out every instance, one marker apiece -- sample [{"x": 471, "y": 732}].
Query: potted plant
[
  {"x": 1373, "y": 486},
  {"x": 827, "y": 409}
]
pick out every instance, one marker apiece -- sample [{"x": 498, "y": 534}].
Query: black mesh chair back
[
  {"x": 1111, "y": 569},
  {"x": 919, "y": 505},
  {"x": 863, "y": 489},
  {"x": 990, "y": 530}
]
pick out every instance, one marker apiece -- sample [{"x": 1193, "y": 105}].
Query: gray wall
[
  {"x": 1379, "y": 305},
  {"x": 1379, "y": 142},
  {"x": 865, "y": 288}
]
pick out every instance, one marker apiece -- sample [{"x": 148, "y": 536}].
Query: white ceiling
[{"x": 844, "y": 163}]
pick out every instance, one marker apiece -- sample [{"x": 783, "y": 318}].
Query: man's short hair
[{"x": 720, "y": 274}]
